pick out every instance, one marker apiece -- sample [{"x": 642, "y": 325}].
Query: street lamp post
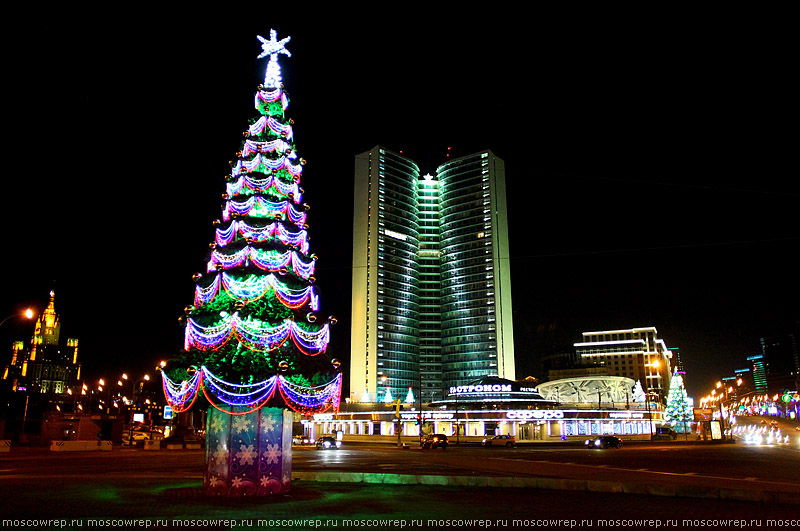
[
  {"x": 27, "y": 314},
  {"x": 654, "y": 365}
]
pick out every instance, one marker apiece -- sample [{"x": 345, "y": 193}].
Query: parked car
[
  {"x": 500, "y": 440},
  {"x": 438, "y": 440},
  {"x": 327, "y": 442},
  {"x": 665, "y": 433},
  {"x": 136, "y": 436},
  {"x": 141, "y": 433},
  {"x": 604, "y": 441}
]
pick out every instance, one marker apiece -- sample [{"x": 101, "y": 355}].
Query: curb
[{"x": 545, "y": 483}]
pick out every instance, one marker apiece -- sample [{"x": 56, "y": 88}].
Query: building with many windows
[
  {"x": 431, "y": 280},
  {"x": 44, "y": 366},
  {"x": 636, "y": 353}
]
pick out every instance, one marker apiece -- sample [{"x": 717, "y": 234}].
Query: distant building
[
  {"x": 636, "y": 353},
  {"x": 431, "y": 282},
  {"x": 759, "y": 373},
  {"x": 780, "y": 356},
  {"x": 44, "y": 366}
]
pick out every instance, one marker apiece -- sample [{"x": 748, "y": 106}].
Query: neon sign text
[{"x": 537, "y": 414}]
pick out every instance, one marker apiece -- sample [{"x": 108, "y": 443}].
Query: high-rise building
[
  {"x": 44, "y": 366},
  {"x": 636, "y": 353},
  {"x": 431, "y": 279},
  {"x": 759, "y": 373}
]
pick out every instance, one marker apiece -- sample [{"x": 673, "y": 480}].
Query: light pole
[
  {"x": 27, "y": 314},
  {"x": 654, "y": 365}
]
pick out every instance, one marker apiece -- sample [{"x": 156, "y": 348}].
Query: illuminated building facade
[
  {"x": 635, "y": 353},
  {"x": 431, "y": 280},
  {"x": 759, "y": 373},
  {"x": 44, "y": 366},
  {"x": 572, "y": 410}
]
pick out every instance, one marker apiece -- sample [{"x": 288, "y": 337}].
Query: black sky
[{"x": 647, "y": 155}]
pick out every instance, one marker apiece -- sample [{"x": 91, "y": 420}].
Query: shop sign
[
  {"x": 534, "y": 414},
  {"x": 427, "y": 415},
  {"x": 480, "y": 389},
  {"x": 625, "y": 415},
  {"x": 322, "y": 417}
]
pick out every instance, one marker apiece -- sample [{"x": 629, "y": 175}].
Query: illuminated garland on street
[
  {"x": 254, "y": 185},
  {"x": 310, "y": 399},
  {"x": 221, "y": 393},
  {"x": 181, "y": 395},
  {"x": 255, "y": 335},
  {"x": 259, "y": 207},
  {"x": 263, "y": 164},
  {"x": 268, "y": 122},
  {"x": 266, "y": 260},
  {"x": 264, "y": 96},
  {"x": 269, "y": 232},
  {"x": 267, "y": 146},
  {"x": 254, "y": 288}
]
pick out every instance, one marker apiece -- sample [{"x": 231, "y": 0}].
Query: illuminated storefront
[
  {"x": 524, "y": 424},
  {"x": 486, "y": 408}
]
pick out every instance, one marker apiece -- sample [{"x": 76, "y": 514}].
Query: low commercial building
[{"x": 493, "y": 406}]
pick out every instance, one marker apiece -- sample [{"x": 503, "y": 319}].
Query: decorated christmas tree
[
  {"x": 678, "y": 413},
  {"x": 255, "y": 345}
]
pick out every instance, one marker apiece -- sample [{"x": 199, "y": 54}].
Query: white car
[{"x": 500, "y": 440}]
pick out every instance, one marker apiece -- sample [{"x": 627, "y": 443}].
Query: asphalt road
[
  {"x": 164, "y": 486},
  {"x": 768, "y": 466}
]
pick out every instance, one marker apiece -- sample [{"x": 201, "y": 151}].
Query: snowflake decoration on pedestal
[
  {"x": 268, "y": 424},
  {"x": 221, "y": 454},
  {"x": 245, "y": 455},
  {"x": 217, "y": 424},
  {"x": 240, "y": 424},
  {"x": 272, "y": 453},
  {"x": 237, "y": 481}
]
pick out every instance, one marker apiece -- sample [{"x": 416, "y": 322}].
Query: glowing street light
[{"x": 28, "y": 314}]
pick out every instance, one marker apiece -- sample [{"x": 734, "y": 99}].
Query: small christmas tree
[
  {"x": 254, "y": 342},
  {"x": 410, "y": 396},
  {"x": 638, "y": 392},
  {"x": 678, "y": 413}
]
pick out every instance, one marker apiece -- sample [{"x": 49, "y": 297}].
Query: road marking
[{"x": 693, "y": 474}]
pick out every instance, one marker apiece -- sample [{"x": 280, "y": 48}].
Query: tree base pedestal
[{"x": 248, "y": 453}]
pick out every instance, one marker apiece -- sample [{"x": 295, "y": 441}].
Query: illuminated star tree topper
[{"x": 273, "y": 47}]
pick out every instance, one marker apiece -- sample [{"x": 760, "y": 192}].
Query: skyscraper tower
[
  {"x": 431, "y": 280},
  {"x": 44, "y": 366}
]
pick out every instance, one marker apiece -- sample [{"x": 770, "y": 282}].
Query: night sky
[{"x": 647, "y": 165}]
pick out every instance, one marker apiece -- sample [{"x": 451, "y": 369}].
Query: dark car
[
  {"x": 434, "y": 441},
  {"x": 665, "y": 433},
  {"x": 327, "y": 442},
  {"x": 604, "y": 441}
]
